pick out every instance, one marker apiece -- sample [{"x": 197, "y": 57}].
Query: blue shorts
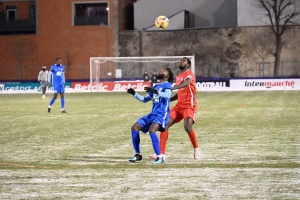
[
  {"x": 146, "y": 121},
  {"x": 58, "y": 88}
]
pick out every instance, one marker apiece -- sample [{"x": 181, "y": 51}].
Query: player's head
[
  {"x": 44, "y": 67},
  {"x": 171, "y": 75},
  {"x": 165, "y": 75},
  {"x": 185, "y": 64},
  {"x": 58, "y": 61}
]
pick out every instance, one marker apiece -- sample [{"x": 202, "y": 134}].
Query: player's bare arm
[
  {"x": 174, "y": 98},
  {"x": 185, "y": 83}
]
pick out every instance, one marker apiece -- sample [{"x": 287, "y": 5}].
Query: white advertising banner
[
  {"x": 229, "y": 85},
  {"x": 265, "y": 84}
]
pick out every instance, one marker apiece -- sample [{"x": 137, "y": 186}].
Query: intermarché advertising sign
[{"x": 269, "y": 84}]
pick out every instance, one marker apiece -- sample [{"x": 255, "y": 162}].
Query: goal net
[{"x": 118, "y": 73}]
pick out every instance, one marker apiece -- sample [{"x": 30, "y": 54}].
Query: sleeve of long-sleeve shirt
[
  {"x": 49, "y": 76},
  {"x": 167, "y": 94},
  {"x": 64, "y": 77},
  {"x": 39, "y": 76},
  {"x": 141, "y": 98}
]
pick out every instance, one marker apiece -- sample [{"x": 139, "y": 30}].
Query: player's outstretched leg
[
  {"x": 188, "y": 127},
  {"x": 156, "y": 148},
  {"x": 194, "y": 142},
  {"x": 50, "y": 105},
  {"x": 163, "y": 145},
  {"x": 135, "y": 136},
  {"x": 44, "y": 91},
  {"x": 62, "y": 102}
]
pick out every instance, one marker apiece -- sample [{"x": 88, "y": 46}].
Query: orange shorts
[{"x": 178, "y": 114}]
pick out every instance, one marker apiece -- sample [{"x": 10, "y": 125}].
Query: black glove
[
  {"x": 131, "y": 91},
  {"x": 149, "y": 89}
]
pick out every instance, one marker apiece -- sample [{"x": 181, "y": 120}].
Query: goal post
[{"x": 122, "y": 69}]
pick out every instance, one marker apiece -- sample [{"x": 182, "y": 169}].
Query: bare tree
[
  {"x": 69, "y": 52},
  {"x": 263, "y": 43},
  {"x": 21, "y": 49},
  {"x": 281, "y": 13}
]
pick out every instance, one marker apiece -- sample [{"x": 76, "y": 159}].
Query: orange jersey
[{"x": 187, "y": 95}]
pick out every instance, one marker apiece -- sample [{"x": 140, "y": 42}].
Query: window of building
[
  {"x": 12, "y": 23},
  {"x": 91, "y": 14},
  {"x": 11, "y": 12},
  {"x": 32, "y": 13}
]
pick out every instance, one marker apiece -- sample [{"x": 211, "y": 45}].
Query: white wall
[
  {"x": 248, "y": 14},
  {"x": 203, "y": 13}
]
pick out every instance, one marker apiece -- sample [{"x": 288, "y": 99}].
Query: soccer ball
[{"x": 161, "y": 22}]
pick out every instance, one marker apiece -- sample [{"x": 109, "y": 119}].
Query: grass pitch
[{"x": 250, "y": 145}]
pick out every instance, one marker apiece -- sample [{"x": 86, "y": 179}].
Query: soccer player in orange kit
[{"x": 185, "y": 108}]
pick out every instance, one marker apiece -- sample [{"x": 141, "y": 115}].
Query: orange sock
[
  {"x": 163, "y": 141},
  {"x": 193, "y": 139}
]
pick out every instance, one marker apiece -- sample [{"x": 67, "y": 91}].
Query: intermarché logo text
[{"x": 269, "y": 84}]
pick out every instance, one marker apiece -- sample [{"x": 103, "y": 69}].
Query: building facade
[{"x": 35, "y": 32}]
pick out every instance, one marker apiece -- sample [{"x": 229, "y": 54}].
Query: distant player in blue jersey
[
  {"x": 157, "y": 120},
  {"x": 56, "y": 76}
]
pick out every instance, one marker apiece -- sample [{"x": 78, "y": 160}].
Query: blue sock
[
  {"x": 52, "y": 101},
  {"x": 62, "y": 101},
  {"x": 136, "y": 140},
  {"x": 155, "y": 143}
]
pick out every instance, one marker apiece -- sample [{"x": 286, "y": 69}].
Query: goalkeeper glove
[
  {"x": 131, "y": 91},
  {"x": 149, "y": 89}
]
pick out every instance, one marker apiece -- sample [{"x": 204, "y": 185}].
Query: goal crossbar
[{"x": 100, "y": 62}]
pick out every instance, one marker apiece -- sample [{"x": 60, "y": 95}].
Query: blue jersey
[
  {"x": 160, "y": 109},
  {"x": 160, "y": 105},
  {"x": 58, "y": 74}
]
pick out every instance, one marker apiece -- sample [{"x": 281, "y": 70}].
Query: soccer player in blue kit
[
  {"x": 157, "y": 120},
  {"x": 57, "y": 75}
]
